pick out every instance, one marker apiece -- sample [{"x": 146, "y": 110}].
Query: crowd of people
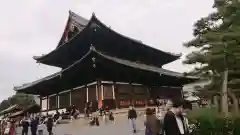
[
  {"x": 36, "y": 122},
  {"x": 168, "y": 119},
  {"x": 104, "y": 113}
]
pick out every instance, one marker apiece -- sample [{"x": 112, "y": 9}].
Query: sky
[{"x": 34, "y": 27}]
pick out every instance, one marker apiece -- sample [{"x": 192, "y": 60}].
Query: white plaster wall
[{"x": 44, "y": 104}]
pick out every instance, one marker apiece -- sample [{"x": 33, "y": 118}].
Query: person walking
[
  {"x": 151, "y": 123},
  {"x": 12, "y": 128},
  {"x": 25, "y": 124},
  {"x": 105, "y": 117},
  {"x": 7, "y": 128},
  {"x": 174, "y": 123},
  {"x": 34, "y": 125},
  {"x": 132, "y": 116},
  {"x": 50, "y": 125},
  {"x": 160, "y": 113}
]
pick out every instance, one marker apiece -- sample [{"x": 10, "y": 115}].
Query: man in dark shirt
[
  {"x": 56, "y": 116},
  {"x": 49, "y": 125},
  {"x": 34, "y": 125},
  {"x": 132, "y": 116},
  {"x": 25, "y": 125},
  {"x": 174, "y": 123}
]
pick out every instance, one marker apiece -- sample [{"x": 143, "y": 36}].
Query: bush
[{"x": 207, "y": 121}]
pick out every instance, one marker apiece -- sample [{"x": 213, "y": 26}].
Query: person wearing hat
[{"x": 174, "y": 123}]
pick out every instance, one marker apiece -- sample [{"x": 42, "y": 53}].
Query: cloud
[{"x": 34, "y": 27}]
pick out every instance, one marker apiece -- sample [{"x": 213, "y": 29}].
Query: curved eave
[
  {"x": 40, "y": 59},
  {"x": 170, "y": 55},
  {"x": 156, "y": 71},
  {"x": 10, "y": 109},
  {"x": 57, "y": 74}
]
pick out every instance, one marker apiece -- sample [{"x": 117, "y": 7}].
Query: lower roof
[
  {"x": 11, "y": 109},
  {"x": 97, "y": 65}
]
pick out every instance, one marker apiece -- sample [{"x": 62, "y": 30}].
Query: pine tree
[{"x": 217, "y": 38}]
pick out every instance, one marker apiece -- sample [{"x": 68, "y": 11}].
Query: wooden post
[
  {"x": 70, "y": 97},
  {"x": 102, "y": 92},
  {"x": 113, "y": 91},
  {"x": 57, "y": 102},
  {"x": 40, "y": 98},
  {"x": 96, "y": 92},
  {"x": 99, "y": 94},
  {"x": 147, "y": 89},
  {"x": 132, "y": 95},
  {"x": 47, "y": 103},
  {"x": 87, "y": 99},
  {"x": 116, "y": 96}
]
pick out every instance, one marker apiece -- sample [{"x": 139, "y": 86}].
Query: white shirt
[{"x": 179, "y": 123}]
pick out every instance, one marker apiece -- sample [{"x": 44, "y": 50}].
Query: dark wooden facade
[{"x": 114, "y": 95}]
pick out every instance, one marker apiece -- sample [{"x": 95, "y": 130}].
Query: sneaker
[{"x": 134, "y": 131}]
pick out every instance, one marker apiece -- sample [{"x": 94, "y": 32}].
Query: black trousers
[
  {"x": 34, "y": 131},
  {"x": 24, "y": 131},
  {"x": 49, "y": 129}
]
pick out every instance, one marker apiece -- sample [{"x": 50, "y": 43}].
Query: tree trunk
[
  {"x": 215, "y": 101},
  {"x": 224, "y": 95},
  {"x": 235, "y": 101}
]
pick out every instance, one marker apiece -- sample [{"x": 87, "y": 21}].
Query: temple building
[{"x": 104, "y": 67}]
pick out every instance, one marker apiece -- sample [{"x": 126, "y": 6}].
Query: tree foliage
[
  {"x": 217, "y": 39},
  {"x": 21, "y": 99}
]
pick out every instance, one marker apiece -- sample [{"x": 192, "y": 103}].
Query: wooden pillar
[
  {"x": 132, "y": 96},
  {"x": 96, "y": 92},
  {"x": 99, "y": 94},
  {"x": 40, "y": 98},
  {"x": 47, "y": 103},
  {"x": 115, "y": 95},
  {"x": 102, "y": 92},
  {"x": 57, "y": 102},
  {"x": 70, "y": 97},
  {"x": 113, "y": 91},
  {"x": 87, "y": 98},
  {"x": 147, "y": 89}
]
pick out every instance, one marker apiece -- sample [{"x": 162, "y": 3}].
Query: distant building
[{"x": 190, "y": 88}]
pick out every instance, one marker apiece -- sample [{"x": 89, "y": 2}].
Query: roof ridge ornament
[{"x": 92, "y": 48}]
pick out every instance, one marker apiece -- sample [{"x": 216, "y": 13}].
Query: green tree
[
  {"x": 217, "y": 38},
  {"x": 4, "y": 105},
  {"x": 21, "y": 99}
]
